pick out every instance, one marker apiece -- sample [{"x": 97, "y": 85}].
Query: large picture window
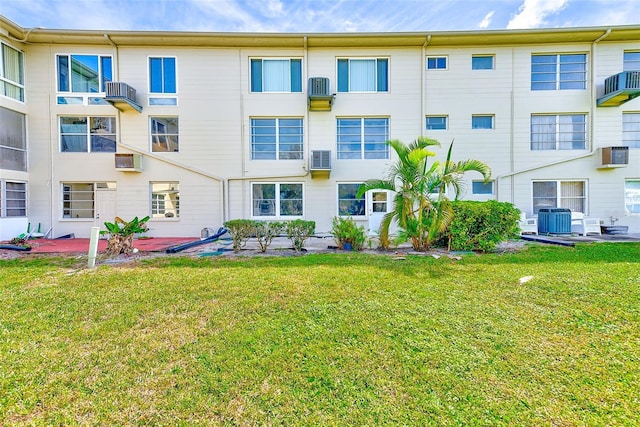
[
  {"x": 348, "y": 203},
  {"x": 559, "y": 72},
  {"x": 13, "y": 141},
  {"x": 276, "y": 75},
  {"x": 84, "y": 73},
  {"x": 11, "y": 73},
  {"x": 559, "y": 194},
  {"x": 363, "y": 75},
  {"x": 276, "y": 139},
  {"x": 363, "y": 138},
  {"x": 88, "y": 134},
  {"x": 631, "y": 129},
  {"x": 277, "y": 199},
  {"x": 13, "y": 199},
  {"x": 78, "y": 200},
  {"x": 164, "y": 134},
  {"x": 558, "y": 132},
  {"x": 165, "y": 200}
]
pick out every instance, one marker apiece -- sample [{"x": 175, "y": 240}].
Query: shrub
[
  {"x": 480, "y": 226},
  {"x": 265, "y": 232},
  {"x": 298, "y": 231},
  {"x": 345, "y": 230},
  {"x": 121, "y": 234},
  {"x": 241, "y": 230}
]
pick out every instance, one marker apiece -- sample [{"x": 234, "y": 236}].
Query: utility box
[{"x": 554, "y": 221}]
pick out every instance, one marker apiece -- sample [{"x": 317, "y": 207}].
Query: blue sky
[{"x": 318, "y": 15}]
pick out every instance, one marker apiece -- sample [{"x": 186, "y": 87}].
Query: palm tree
[{"x": 421, "y": 209}]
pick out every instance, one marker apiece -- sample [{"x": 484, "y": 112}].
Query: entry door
[
  {"x": 105, "y": 206},
  {"x": 379, "y": 205}
]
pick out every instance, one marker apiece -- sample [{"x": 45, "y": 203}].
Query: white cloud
[
  {"x": 487, "y": 20},
  {"x": 533, "y": 13}
]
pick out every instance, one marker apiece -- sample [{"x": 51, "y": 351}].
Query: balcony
[
  {"x": 122, "y": 96},
  {"x": 620, "y": 88}
]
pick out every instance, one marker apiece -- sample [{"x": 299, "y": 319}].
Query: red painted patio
[{"x": 154, "y": 244}]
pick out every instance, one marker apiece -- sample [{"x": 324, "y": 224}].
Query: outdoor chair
[
  {"x": 528, "y": 225},
  {"x": 582, "y": 225}
]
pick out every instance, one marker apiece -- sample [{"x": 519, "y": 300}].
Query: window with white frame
[
  {"x": 85, "y": 76},
  {"x": 164, "y": 134},
  {"x": 558, "y": 131},
  {"x": 11, "y": 72},
  {"x": 78, "y": 200},
  {"x": 632, "y": 196},
  {"x": 482, "y": 188},
  {"x": 559, "y": 194},
  {"x": 348, "y": 202},
  {"x": 482, "y": 121},
  {"x": 165, "y": 199},
  {"x": 436, "y": 122},
  {"x": 275, "y": 199},
  {"x": 13, "y": 199},
  {"x": 276, "y": 75},
  {"x": 482, "y": 62},
  {"x": 363, "y": 138},
  {"x": 87, "y": 134},
  {"x": 162, "y": 81},
  {"x": 631, "y": 61},
  {"x": 559, "y": 71},
  {"x": 363, "y": 74},
  {"x": 436, "y": 62},
  {"x": 276, "y": 139},
  {"x": 13, "y": 140},
  {"x": 631, "y": 129}
]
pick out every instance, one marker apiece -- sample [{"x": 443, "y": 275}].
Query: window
[
  {"x": 631, "y": 129},
  {"x": 165, "y": 200},
  {"x": 13, "y": 141},
  {"x": 93, "y": 134},
  {"x": 436, "y": 62},
  {"x": 559, "y": 194},
  {"x": 558, "y": 72},
  {"x": 276, "y": 75},
  {"x": 632, "y": 196},
  {"x": 11, "y": 73},
  {"x": 363, "y": 75},
  {"x": 78, "y": 200},
  {"x": 162, "y": 81},
  {"x": 482, "y": 62},
  {"x": 559, "y": 132},
  {"x": 277, "y": 199},
  {"x": 164, "y": 134},
  {"x": 632, "y": 61},
  {"x": 83, "y": 73},
  {"x": 13, "y": 199},
  {"x": 436, "y": 122},
  {"x": 348, "y": 203},
  {"x": 363, "y": 138},
  {"x": 273, "y": 139},
  {"x": 482, "y": 121},
  {"x": 480, "y": 187}
]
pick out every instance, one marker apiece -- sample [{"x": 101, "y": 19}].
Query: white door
[
  {"x": 379, "y": 203},
  {"x": 105, "y": 206}
]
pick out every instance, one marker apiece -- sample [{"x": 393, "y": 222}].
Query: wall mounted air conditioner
[
  {"x": 320, "y": 163},
  {"x": 319, "y": 93},
  {"x": 612, "y": 157},
  {"x": 128, "y": 162}
]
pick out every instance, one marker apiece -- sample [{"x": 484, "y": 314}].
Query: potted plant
[
  {"x": 347, "y": 234},
  {"x": 121, "y": 234}
]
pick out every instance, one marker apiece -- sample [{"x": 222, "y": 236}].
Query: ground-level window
[
  {"x": 78, "y": 200},
  {"x": 13, "y": 199},
  {"x": 13, "y": 141},
  {"x": 276, "y": 139},
  {"x": 558, "y": 132},
  {"x": 481, "y": 187},
  {"x": 88, "y": 134},
  {"x": 631, "y": 129},
  {"x": 271, "y": 199},
  {"x": 632, "y": 196},
  {"x": 165, "y": 199},
  {"x": 559, "y": 194},
  {"x": 363, "y": 138},
  {"x": 164, "y": 134},
  {"x": 348, "y": 203}
]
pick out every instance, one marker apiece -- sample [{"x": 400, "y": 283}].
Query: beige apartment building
[{"x": 197, "y": 128}]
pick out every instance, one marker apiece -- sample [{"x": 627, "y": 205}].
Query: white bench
[{"x": 582, "y": 225}]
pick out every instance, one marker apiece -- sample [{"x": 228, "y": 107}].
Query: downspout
[
  {"x": 512, "y": 130},
  {"x": 592, "y": 71},
  {"x": 423, "y": 95}
]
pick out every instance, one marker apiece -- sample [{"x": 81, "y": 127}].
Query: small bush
[
  {"x": 480, "y": 226},
  {"x": 265, "y": 232},
  {"x": 345, "y": 230},
  {"x": 298, "y": 231},
  {"x": 241, "y": 230}
]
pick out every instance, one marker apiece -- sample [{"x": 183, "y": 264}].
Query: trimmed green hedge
[{"x": 480, "y": 226}]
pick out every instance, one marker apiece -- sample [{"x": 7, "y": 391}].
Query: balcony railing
[
  {"x": 620, "y": 88},
  {"x": 122, "y": 96}
]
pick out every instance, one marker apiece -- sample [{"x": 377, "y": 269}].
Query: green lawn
[{"x": 338, "y": 339}]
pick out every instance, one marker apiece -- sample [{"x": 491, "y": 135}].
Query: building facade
[{"x": 195, "y": 129}]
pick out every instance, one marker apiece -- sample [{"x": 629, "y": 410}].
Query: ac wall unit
[
  {"x": 320, "y": 163},
  {"x": 128, "y": 162},
  {"x": 320, "y": 96},
  {"x": 613, "y": 157}
]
